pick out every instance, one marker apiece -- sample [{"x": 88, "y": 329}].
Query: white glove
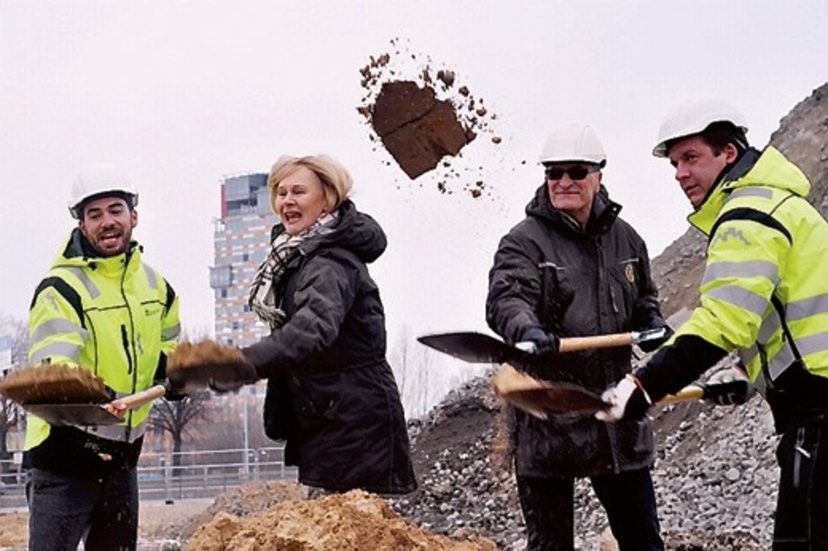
[
  {"x": 626, "y": 399},
  {"x": 729, "y": 386}
]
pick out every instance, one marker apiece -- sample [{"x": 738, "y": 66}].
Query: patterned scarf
[{"x": 263, "y": 300}]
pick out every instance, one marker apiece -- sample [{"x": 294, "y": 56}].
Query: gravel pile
[{"x": 715, "y": 476}]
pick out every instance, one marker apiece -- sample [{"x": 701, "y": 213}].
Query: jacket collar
[
  {"x": 767, "y": 168},
  {"x": 603, "y": 214},
  {"x": 79, "y": 252}
]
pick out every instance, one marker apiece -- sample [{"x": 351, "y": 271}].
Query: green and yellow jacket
[
  {"x": 765, "y": 288},
  {"x": 116, "y": 317}
]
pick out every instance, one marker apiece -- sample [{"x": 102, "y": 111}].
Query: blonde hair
[{"x": 336, "y": 180}]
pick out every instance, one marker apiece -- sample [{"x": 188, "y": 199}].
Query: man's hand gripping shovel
[{"x": 66, "y": 395}]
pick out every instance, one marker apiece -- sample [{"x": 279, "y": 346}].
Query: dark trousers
[
  {"x": 802, "y": 506},
  {"x": 628, "y": 499},
  {"x": 63, "y": 509}
]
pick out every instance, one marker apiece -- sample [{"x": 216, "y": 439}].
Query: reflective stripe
[
  {"x": 91, "y": 288},
  {"x": 63, "y": 349},
  {"x": 171, "y": 333},
  {"x": 779, "y": 363},
  {"x": 58, "y": 326},
  {"x": 741, "y": 298},
  {"x": 812, "y": 344},
  {"x": 769, "y": 326},
  {"x": 804, "y": 308},
  {"x": 119, "y": 433},
  {"x": 139, "y": 429},
  {"x": 151, "y": 277},
  {"x": 748, "y": 354},
  {"x": 751, "y": 268},
  {"x": 762, "y": 192}
]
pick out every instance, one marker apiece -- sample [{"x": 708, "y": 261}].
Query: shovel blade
[
  {"x": 474, "y": 348},
  {"x": 78, "y": 415},
  {"x": 541, "y": 397}
]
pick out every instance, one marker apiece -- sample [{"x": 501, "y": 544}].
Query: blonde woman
[{"x": 331, "y": 393}]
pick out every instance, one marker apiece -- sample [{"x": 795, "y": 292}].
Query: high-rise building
[{"x": 241, "y": 239}]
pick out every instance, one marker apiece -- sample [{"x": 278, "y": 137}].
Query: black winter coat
[
  {"x": 575, "y": 282},
  {"x": 331, "y": 393}
]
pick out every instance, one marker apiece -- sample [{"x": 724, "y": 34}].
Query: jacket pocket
[
  {"x": 279, "y": 417},
  {"x": 624, "y": 287}
]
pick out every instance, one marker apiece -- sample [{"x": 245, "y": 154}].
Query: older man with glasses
[{"x": 573, "y": 268}]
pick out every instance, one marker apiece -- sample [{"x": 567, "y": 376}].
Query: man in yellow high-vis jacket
[
  {"x": 101, "y": 308},
  {"x": 764, "y": 294}
]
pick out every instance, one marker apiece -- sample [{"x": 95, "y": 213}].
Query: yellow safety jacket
[
  {"x": 765, "y": 286},
  {"x": 114, "y": 316}
]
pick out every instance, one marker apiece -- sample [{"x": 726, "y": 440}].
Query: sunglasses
[{"x": 578, "y": 172}]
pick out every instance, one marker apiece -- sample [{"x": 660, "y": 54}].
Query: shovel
[
  {"x": 481, "y": 348},
  {"x": 93, "y": 414},
  {"x": 543, "y": 398}
]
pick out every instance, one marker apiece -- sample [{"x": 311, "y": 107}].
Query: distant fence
[{"x": 185, "y": 475}]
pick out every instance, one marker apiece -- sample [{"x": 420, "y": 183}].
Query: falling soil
[
  {"x": 53, "y": 384},
  {"x": 423, "y": 117}
]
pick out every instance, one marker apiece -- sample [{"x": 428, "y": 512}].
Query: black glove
[
  {"x": 728, "y": 387},
  {"x": 232, "y": 377},
  {"x": 171, "y": 395},
  {"x": 545, "y": 344},
  {"x": 653, "y": 344}
]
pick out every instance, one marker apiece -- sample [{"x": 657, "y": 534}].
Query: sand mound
[{"x": 352, "y": 521}]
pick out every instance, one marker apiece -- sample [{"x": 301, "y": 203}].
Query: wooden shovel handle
[
  {"x": 686, "y": 394},
  {"x": 572, "y": 344},
  {"x": 140, "y": 398}
]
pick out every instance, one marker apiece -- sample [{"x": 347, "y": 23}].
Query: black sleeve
[
  {"x": 514, "y": 287},
  {"x": 161, "y": 370},
  {"x": 674, "y": 367},
  {"x": 326, "y": 288}
]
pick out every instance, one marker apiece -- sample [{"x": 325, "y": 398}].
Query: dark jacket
[
  {"x": 549, "y": 271},
  {"x": 331, "y": 393}
]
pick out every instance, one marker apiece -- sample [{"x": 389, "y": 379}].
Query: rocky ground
[{"x": 715, "y": 476}]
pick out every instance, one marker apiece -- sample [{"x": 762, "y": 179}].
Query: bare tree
[
  {"x": 174, "y": 418},
  {"x": 419, "y": 379},
  {"x": 424, "y": 376},
  {"x": 11, "y": 415}
]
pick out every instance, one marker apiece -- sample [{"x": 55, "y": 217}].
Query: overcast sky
[{"x": 182, "y": 93}]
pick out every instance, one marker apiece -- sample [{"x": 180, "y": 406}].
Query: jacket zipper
[
  {"x": 129, "y": 346},
  {"x": 799, "y": 452}
]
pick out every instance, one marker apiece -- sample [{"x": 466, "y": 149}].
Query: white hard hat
[
  {"x": 99, "y": 179},
  {"x": 692, "y": 117},
  {"x": 573, "y": 142}
]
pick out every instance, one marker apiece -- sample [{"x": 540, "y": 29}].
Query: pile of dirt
[
  {"x": 243, "y": 501},
  {"x": 421, "y": 115},
  {"x": 352, "y": 521}
]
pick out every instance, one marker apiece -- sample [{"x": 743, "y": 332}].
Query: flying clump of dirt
[{"x": 423, "y": 117}]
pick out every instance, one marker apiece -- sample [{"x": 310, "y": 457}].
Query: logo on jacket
[{"x": 629, "y": 273}]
